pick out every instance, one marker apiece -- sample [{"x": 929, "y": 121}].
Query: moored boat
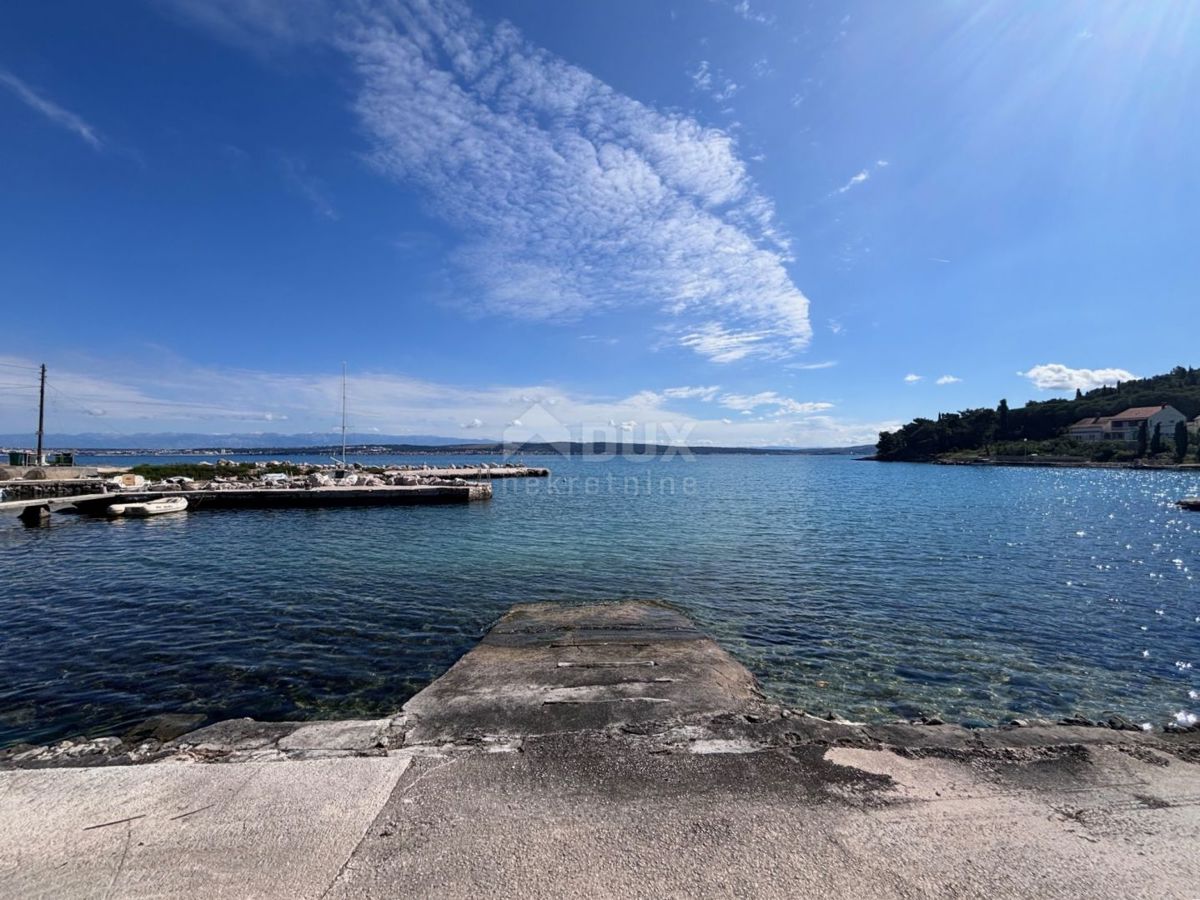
[{"x": 150, "y": 507}]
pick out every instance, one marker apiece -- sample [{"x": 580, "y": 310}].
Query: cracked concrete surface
[{"x": 525, "y": 771}]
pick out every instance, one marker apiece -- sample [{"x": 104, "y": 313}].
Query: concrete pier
[
  {"x": 602, "y": 751},
  {"x": 301, "y": 498},
  {"x": 458, "y": 484}
]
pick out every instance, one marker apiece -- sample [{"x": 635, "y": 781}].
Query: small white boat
[{"x": 150, "y": 507}]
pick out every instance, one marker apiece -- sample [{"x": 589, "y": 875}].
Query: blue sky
[{"x": 729, "y": 222}]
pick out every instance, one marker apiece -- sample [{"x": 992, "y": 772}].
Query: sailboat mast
[{"x": 343, "y": 414}]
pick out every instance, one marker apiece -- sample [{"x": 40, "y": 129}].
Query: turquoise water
[{"x": 876, "y": 591}]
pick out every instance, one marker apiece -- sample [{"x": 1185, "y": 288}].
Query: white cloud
[
  {"x": 572, "y": 196},
  {"x": 836, "y": 327},
  {"x": 64, "y": 118},
  {"x": 948, "y": 379},
  {"x": 854, "y": 180},
  {"x": 515, "y": 423},
  {"x": 1057, "y": 377},
  {"x": 746, "y": 403},
  {"x": 913, "y": 379},
  {"x": 692, "y": 393},
  {"x": 474, "y": 423},
  {"x": 702, "y": 78}
]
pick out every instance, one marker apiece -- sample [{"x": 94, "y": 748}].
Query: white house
[{"x": 1124, "y": 426}]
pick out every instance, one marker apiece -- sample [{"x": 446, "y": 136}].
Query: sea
[{"x": 875, "y": 591}]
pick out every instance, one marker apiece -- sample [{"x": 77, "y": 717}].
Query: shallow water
[{"x": 878, "y": 591}]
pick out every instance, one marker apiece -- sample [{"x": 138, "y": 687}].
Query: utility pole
[
  {"x": 343, "y": 414},
  {"x": 41, "y": 416}
]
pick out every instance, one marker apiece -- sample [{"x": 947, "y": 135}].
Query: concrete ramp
[{"x": 546, "y": 668}]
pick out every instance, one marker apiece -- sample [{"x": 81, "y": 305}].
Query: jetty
[
  {"x": 602, "y": 750},
  {"x": 34, "y": 499}
]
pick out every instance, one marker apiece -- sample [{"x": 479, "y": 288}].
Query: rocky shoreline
[{"x": 173, "y": 738}]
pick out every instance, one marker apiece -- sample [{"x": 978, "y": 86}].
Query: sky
[{"x": 730, "y": 222}]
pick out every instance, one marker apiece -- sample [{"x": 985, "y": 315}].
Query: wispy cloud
[
  {"x": 862, "y": 175},
  {"x": 913, "y": 379},
  {"x": 854, "y": 181},
  {"x": 713, "y": 82},
  {"x": 61, "y": 117},
  {"x": 260, "y": 26},
  {"x": 808, "y": 367},
  {"x": 948, "y": 379},
  {"x": 723, "y": 346},
  {"x": 743, "y": 9},
  {"x": 569, "y": 197},
  {"x": 308, "y": 186},
  {"x": 1057, "y": 377},
  {"x": 572, "y": 197}
]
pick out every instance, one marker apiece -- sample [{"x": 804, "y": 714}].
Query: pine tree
[
  {"x": 1156, "y": 440},
  {"x": 1142, "y": 440},
  {"x": 1181, "y": 441},
  {"x": 1078, "y": 394},
  {"x": 1002, "y": 423}
]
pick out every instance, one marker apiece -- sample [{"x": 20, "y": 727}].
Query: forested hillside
[{"x": 985, "y": 429}]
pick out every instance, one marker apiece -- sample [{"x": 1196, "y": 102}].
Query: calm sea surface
[{"x": 877, "y": 591}]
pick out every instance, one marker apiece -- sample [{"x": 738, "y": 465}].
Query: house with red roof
[{"x": 1124, "y": 426}]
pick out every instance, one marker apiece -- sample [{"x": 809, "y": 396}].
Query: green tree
[
  {"x": 1143, "y": 439},
  {"x": 1078, "y": 394},
  {"x": 888, "y": 446},
  {"x": 1156, "y": 440},
  {"x": 1181, "y": 440},
  {"x": 1002, "y": 420}
]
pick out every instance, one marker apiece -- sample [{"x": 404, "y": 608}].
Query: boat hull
[{"x": 150, "y": 508}]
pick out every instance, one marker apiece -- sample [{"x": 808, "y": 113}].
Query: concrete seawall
[{"x": 602, "y": 750}]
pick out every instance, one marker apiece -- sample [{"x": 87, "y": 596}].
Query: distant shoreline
[
  {"x": 572, "y": 449},
  {"x": 1059, "y": 463}
]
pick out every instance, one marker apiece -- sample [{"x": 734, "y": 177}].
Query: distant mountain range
[
  {"x": 190, "y": 441},
  {"x": 324, "y": 443}
]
